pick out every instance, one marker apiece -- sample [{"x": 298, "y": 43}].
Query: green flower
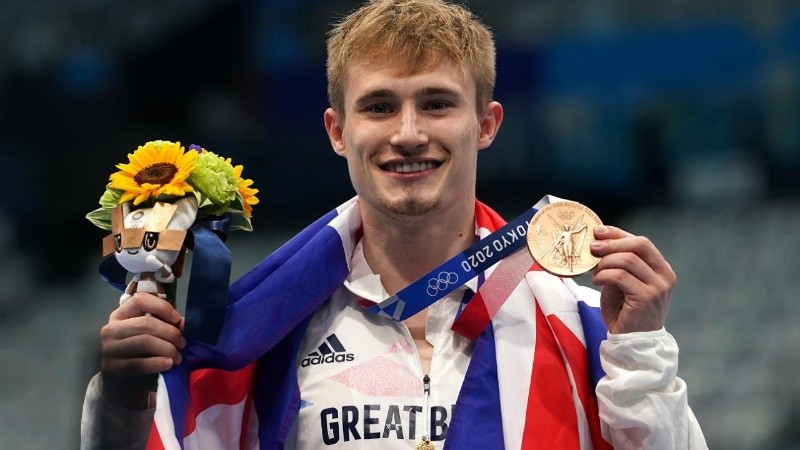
[{"x": 215, "y": 180}]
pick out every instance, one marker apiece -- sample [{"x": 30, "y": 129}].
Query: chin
[{"x": 411, "y": 208}]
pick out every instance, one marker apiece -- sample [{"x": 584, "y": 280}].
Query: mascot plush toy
[{"x": 147, "y": 242}]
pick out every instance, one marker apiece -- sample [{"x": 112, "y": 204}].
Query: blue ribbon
[
  {"x": 457, "y": 270},
  {"x": 113, "y": 273},
  {"x": 207, "y": 295}
]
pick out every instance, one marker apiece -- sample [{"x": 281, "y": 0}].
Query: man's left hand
[{"x": 636, "y": 281}]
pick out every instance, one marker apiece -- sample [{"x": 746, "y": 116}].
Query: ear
[
  {"x": 333, "y": 125},
  {"x": 159, "y": 216},
  {"x": 490, "y": 124},
  {"x": 185, "y": 213}
]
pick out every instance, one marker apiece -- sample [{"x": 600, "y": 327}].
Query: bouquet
[
  {"x": 163, "y": 201},
  {"x": 161, "y": 171}
]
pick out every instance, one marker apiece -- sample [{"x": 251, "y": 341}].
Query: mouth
[
  {"x": 132, "y": 252},
  {"x": 410, "y": 167}
]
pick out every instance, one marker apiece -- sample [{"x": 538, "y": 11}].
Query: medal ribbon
[
  {"x": 493, "y": 293},
  {"x": 458, "y": 270}
]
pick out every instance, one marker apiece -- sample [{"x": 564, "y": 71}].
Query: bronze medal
[
  {"x": 559, "y": 236},
  {"x": 425, "y": 444}
]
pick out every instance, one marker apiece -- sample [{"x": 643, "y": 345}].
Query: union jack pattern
[{"x": 530, "y": 382}]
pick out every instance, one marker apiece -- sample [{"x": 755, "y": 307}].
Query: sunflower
[
  {"x": 248, "y": 194},
  {"x": 156, "y": 168}
]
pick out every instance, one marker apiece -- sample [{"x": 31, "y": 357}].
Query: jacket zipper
[{"x": 426, "y": 391}]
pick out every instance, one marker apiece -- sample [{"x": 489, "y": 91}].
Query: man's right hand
[{"x": 143, "y": 336}]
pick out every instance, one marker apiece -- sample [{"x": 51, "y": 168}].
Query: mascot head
[{"x": 145, "y": 239}]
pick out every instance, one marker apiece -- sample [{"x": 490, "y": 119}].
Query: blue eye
[{"x": 150, "y": 240}]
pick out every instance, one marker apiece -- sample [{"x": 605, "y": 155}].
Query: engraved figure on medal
[
  {"x": 559, "y": 242},
  {"x": 567, "y": 244}
]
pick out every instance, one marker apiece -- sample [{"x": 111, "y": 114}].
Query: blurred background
[{"x": 677, "y": 120}]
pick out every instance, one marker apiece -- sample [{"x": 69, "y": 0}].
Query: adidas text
[{"x": 327, "y": 359}]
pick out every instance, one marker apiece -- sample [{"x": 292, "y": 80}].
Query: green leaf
[
  {"x": 101, "y": 218},
  {"x": 238, "y": 203},
  {"x": 110, "y": 198},
  {"x": 239, "y": 221},
  {"x": 203, "y": 202}
]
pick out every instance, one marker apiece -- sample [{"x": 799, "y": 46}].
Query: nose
[{"x": 410, "y": 133}]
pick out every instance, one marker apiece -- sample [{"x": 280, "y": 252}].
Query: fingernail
[
  {"x": 600, "y": 229},
  {"x": 596, "y": 244},
  {"x": 182, "y": 343},
  {"x": 178, "y": 359},
  {"x": 175, "y": 316}
]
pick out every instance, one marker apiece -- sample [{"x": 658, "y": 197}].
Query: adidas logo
[{"x": 330, "y": 351}]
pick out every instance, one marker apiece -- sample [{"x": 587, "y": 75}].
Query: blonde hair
[{"x": 417, "y": 32}]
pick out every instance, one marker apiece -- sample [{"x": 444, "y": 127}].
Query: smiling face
[
  {"x": 411, "y": 139},
  {"x": 146, "y": 239}
]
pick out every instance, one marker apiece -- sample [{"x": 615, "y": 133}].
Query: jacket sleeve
[
  {"x": 642, "y": 402},
  {"x": 105, "y": 425}
]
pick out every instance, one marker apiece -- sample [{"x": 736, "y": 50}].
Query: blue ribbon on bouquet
[
  {"x": 207, "y": 295},
  {"x": 113, "y": 273}
]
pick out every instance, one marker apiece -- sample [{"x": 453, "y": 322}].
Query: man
[{"x": 410, "y": 85}]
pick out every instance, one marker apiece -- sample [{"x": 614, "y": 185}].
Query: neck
[{"x": 403, "y": 251}]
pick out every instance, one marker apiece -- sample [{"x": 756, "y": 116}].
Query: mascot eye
[
  {"x": 150, "y": 240},
  {"x": 118, "y": 242}
]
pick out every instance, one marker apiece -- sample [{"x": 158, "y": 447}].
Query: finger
[
  {"x": 629, "y": 262},
  {"x": 143, "y": 325},
  {"x": 608, "y": 232},
  {"x": 632, "y": 287},
  {"x": 127, "y": 368},
  {"x": 141, "y": 346},
  {"x": 638, "y": 245},
  {"x": 623, "y": 280},
  {"x": 143, "y": 303}
]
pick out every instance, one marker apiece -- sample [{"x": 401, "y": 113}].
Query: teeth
[{"x": 412, "y": 167}]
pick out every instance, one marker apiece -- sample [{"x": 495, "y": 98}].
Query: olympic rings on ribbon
[{"x": 441, "y": 282}]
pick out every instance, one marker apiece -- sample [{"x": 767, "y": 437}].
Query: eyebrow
[
  {"x": 436, "y": 90},
  {"x": 372, "y": 95},
  {"x": 387, "y": 93}
]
